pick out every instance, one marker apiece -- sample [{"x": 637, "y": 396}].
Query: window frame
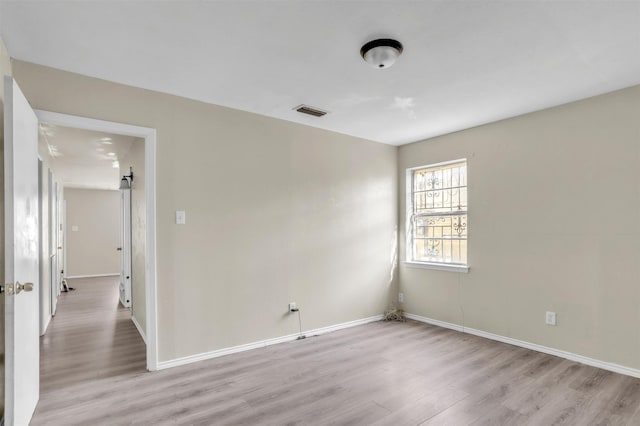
[{"x": 409, "y": 249}]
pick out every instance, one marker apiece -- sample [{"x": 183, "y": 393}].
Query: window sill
[{"x": 437, "y": 266}]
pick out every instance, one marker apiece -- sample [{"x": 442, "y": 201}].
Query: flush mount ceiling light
[{"x": 381, "y": 53}]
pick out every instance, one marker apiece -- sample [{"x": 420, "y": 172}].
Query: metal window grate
[{"x": 438, "y": 208}]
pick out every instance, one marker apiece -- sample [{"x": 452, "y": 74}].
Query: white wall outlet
[
  {"x": 181, "y": 217},
  {"x": 550, "y": 318},
  {"x": 292, "y": 306},
  {"x": 401, "y": 297}
]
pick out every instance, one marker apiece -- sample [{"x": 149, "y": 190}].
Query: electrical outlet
[
  {"x": 551, "y": 318},
  {"x": 292, "y": 306},
  {"x": 401, "y": 297}
]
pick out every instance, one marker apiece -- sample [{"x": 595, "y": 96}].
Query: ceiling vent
[{"x": 305, "y": 109}]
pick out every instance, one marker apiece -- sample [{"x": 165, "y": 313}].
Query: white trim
[
  {"x": 92, "y": 276},
  {"x": 262, "y": 343},
  {"x": 149, "y": 136},
  {"x": 140, "y": 330},
  {"x": 47, "y": 321},
  {"x": 42, "y": 259},
  {"x": 63, "y": 228},
  {"x": 432, "y": 321},
  {"x": 437, "y": 266},
  {"x": 151, "y": 298},
  {"x": 86, "y": 123},
  {"x": 440, "y": 164},
  {"x": 609, "y": 366}
]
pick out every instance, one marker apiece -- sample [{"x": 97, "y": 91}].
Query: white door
[
  {"x": 21, "y": 256},
  {"x": 125, "y": 247}
]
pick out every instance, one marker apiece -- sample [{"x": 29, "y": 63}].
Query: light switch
[
  {"x": 75, "y": 228},
  {"x": 181, "y": 218}
]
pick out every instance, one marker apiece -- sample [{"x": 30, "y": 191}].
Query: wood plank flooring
[{"x": 376, "y": 374}]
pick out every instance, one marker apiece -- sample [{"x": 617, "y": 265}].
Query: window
[{"x": 437, "y": 215}]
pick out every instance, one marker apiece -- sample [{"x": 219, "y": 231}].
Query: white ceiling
[
  {"x": 84, "y": 158},
  {"x": 465, "y": 63}
]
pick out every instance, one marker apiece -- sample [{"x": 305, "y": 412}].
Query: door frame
[
  {"x": 53, "y": 245},
  {"x": 44, "y": 319},
  {"x": 149, "y": 136}
]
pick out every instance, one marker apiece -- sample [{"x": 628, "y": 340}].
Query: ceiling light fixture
[{"x": 381, "y": 53}]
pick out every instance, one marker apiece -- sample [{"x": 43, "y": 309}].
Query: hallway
[{"x": 91, "y": 338}]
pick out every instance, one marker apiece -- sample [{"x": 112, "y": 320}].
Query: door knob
[
  {"x": 10, "y": 289},
  {"x": 119, "y": 249},
  {"x": 23, "y": 287}
]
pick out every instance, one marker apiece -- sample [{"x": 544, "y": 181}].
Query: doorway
[{"x": 146, "y": 184}]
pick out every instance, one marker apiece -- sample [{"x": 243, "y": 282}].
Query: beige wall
[
  {"x": 553, "y": 226},
  {"x": 276, "y": 212},
  {"x": 135, "y": 159},
  {"x": 5, "y": 69},
  {"x": 92, "y": 249}
]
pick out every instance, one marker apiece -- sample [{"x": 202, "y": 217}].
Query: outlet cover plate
[{"x": 181, "y": 217}]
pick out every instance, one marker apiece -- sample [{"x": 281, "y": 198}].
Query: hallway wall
[
  {"x": 93, "y": 232},
  {"x": 135, "y": 160}
]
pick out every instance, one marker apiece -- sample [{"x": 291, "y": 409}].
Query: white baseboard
[
  {"x": 47, "y": 320},
  {"x": 140, "y": 330},
  {"x": 262, "y": 343},
  {"x": 616, "y": 368},
  {"x": 93, "y": 276}
]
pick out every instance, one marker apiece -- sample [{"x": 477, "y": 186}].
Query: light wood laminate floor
[{"x": 376, "y": 374}]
